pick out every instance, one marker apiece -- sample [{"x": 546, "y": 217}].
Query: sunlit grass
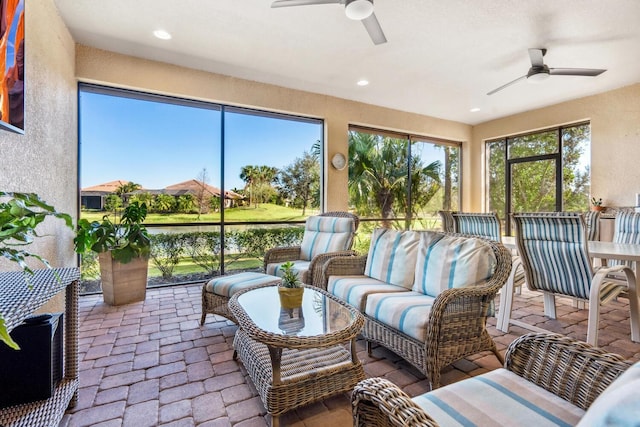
[{"x": 263, "y": 212}]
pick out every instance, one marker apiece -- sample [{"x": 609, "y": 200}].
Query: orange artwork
[{"x": 12, "y": 65}]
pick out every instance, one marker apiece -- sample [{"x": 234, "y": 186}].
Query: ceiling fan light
[
  {"x": 538, "y": 77},
  {"x": 358, "y": 9}
]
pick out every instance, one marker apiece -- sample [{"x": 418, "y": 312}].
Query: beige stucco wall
[
  {"x": 97, "y": 66},
  {"x": 615, "y": 142},
  {"x": 44, "y": 159}
]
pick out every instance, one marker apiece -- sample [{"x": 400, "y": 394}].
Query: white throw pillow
[{"x": 619, "y": 404}]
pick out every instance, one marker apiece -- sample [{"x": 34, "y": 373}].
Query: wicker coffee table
[{"x": 297, "y": 356}]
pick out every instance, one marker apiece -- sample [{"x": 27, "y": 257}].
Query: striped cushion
[
  {"x": 498, "y": 398},
  {"x": 619, "y": 404},
  {"x": 228, "y": 285},
  {"x": 325, "y": 234},
  {"x": 356, "y": 289},
  {"x": 485, "y": 225},
  {"x": 446, "y": 262},
  {"x": 592, "y": 220},
  {"x": 299, "y": 267},
  {"x": 407, "y": 312},
  {"x": 626, "y": 230},
  {"x": 554, "y": 253},
  {"x": 392, "y": 256}
]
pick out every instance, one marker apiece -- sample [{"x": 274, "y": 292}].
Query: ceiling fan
[
  {"x": 358, "y": 10},
  {"x": 539, "y": 71}
]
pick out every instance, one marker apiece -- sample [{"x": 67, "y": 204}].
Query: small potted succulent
[
  {"x": 596, "y": 205},
  {"x": 290, "y": 289}
]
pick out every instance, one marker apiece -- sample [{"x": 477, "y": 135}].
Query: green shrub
[{"x": 166, "y": 250}]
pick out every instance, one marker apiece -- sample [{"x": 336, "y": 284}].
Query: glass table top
[{"x": 318, "y": 315}]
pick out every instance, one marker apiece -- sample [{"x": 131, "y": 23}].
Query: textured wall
[
  {"x": 44, "y": 159},
  {"x": 615, "y": 141},
  {"x": 98, "y": 66}
]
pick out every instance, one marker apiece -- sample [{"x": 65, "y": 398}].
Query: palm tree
[
  {"x": 247, "y": 174},
  {"x": 378, "y": 177}
]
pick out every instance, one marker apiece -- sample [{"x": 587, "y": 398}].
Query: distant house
[
  {"x": 195, "y": 188},
  {"x": 94, "y": 197}
]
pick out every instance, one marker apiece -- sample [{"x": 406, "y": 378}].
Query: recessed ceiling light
[
  {"x": 474, "y": 109},
  {"x": 162, "y": 34},
  {"x": 363, "y": 82}
]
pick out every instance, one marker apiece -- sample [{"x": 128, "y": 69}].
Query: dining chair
[
  {"x": 592, "y": 219},
  {"x": 326, "y": 235},
  {"x": 486, "y": 225},
  {"x": 554, "y": 253},
  {"x": 625, "y": 230}
]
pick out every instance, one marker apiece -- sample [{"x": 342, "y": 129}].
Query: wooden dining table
[{"x": 597, "y": 249}]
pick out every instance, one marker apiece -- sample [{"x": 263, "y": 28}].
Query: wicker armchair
[
  {"x": 311, "y": 273},
  {"x": 570, "y": 369},
  {"x": 457, "y": 320}
]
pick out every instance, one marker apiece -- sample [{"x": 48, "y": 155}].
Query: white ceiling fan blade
[
  {"x": 507, "y": 85},
  {"x": 287, "y": 3},
  {"x": 374, "y": 29},
  {"x": 536, "y": 56},
  {"x": 590, "y": 72}
]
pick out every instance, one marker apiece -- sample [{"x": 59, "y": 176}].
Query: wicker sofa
[
  {"x": 424, "y": 295},
  {"x": 547, "y": 379}
]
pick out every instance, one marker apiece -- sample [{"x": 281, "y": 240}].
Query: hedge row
[{"x": 203, "y": 248}]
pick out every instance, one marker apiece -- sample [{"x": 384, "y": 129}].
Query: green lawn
[{"x": 264, "y": 212}]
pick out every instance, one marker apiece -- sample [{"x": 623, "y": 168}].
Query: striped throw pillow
[
  {"x": 324, "y": 234},
  {"x": 446, "y": 262},
  {"x": 392, "y": 256}
]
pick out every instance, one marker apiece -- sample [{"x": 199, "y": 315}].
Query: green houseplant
[
  {"x": 290, "y": 289},
  {"x": 596, "y": 204},
  {"x": 20, "y": 214},
  {"x": 123, "y": 248}
]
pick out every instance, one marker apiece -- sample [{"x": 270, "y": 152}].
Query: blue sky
[{"x": 156, "y": 144}]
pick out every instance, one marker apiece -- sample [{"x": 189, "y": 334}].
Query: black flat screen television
[{"x": 12, "y": 65}]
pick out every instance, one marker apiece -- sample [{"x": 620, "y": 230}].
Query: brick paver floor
[{"x": 151, "y": 364}]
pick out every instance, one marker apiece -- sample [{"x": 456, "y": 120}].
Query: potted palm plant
[
  {"x": 20, "y": 214},
  {"x": 123, "y": 248},
  {"x": 290, "y": 289}
]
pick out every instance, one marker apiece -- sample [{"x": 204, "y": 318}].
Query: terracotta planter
[
  {"x": 290, "y": 297},
  {"x": 598, "y": 208},
  {"x": 123, "y": 283}
]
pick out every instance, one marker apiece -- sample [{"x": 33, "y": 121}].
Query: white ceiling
[{"x": 441, "y": 59}]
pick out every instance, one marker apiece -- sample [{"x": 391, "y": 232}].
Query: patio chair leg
[
  {"x": 593, "y": 322},
  {"x": 506, "y": 301},
  {"x": 549, "y": 304},
  {"x": 369, "y": 348}
]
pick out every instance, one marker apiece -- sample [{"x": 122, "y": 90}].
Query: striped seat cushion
[
  {"x": 498, "y": 398},
  {"x": 485, "y": 225},
  {"x": 554, "y": 252},
  {"x": 355, "y": 289},
  {"x": 226, "y": 286},
  {"x": 300, "y": 267},
  {"x": 626, "y": 230},
  {"x": 325, "y": 234},
  {"x": 407, "y": 311},
  {"x": 392, "y": 256},
  {"x": 446, "y": 262}
]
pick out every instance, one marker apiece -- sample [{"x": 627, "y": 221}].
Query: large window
[
  {"x": 401, "y": 181},
  {"x": 544, "y": 171},
  {"x": 222, "y": 183}
]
